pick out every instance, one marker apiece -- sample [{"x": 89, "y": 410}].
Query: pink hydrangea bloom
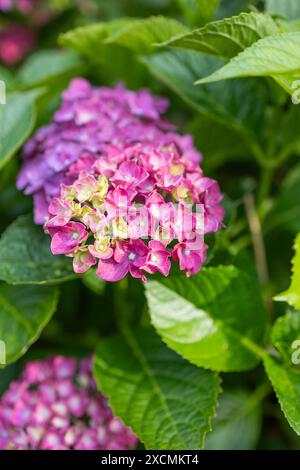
[
  {"x": 16, "y": 41},
  {"x": 55, "y": 406},
  {"x": 90, "y": 122},
  {"x": 132, "y": 210}
]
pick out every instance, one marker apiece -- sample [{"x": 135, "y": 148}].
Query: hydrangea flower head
[
  {"x": 133, "y": 210},
  {"x": 55, "y": 406},
  {"x": 90, "y": 121}
]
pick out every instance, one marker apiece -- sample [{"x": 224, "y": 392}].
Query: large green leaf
[
  {"x": 286, "y": 383},
  {"x": 276, "y": 56},
  {"x": 237, "y": 424},
  {"x": 89, "y": 41},
  {"x": 285, "y": 333},
  {"x": 285, "y": 375},
  {"x": 215, "y": 319},
  {"x": 138, "y": 35},
  {"x": 25, "y": 256},
  {"x": 17, "y": 118},
  {"x": 165, "y": 400},
  {"x": 226, "y": 38},
  {"x": 235, "y": 104},
  {"x": 288, "y": 8},
  {"x": 292, "y": 295},
  {"x": 142, "y": 36},
  {"x": 199, "y": 12},
  {"x": 24, "y": 312},
  {"x": 45, "y": 66}
]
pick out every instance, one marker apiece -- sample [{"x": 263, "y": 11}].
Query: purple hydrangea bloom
[
  {"x": 91, "y": 121},
  {"x": 55, "y": 406}
]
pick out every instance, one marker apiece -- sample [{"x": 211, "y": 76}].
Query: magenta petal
[{"x": 111, "y": 271}]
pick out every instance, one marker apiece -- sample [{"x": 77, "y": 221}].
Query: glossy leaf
[
  {"x": 24, "y": 312},
  {"x": 215, "y": 319},
  {"x": 17, "y": 118},
  {"x": 226, "y": 38},
  {"x": 165, "y": 400}
]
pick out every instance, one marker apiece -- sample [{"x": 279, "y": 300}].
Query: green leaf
[
  {"x": 143, "y": 35},
  {"x": 24, "y": 312},
  {"x": 288, "y": 8},
  {"x": 285, "y": 375},
  {"x": 25, "y": 256},
  {"x": 7, "y": 77},
  {"x": 215, "y": 319},
  {"x": 47, "y": 65},
  {"x": 235, "y": 104},
  {"x": 286, "y": 383},
  {"x": 87, "y": 39},
  {"x": 274, "y": 56},
  {"x": 17, "y": 119},
  {"x": 226, "y": 38},
  {"x": 285, "y": 332},
  {"x": 237, "y": 424},
  {"x": 138, "y": 35},
  {"x": 292, "y": 295},
  {"x": 165, "y": 400}
]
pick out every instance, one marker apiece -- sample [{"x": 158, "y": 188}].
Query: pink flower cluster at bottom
[{"x": 55, "y": 406}]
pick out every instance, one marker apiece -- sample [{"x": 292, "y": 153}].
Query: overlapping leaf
[
  {"x": 226, "y": 38},
  {"x": 24, "y": 312},
  {"x": 17, "y": 118},
  {"x": 276, "y": 56},
  {"x": 215, "y": 319},
  {"x": 167, "y": 402}
]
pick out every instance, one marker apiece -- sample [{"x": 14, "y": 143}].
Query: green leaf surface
[
  {"x": 226, "y": 38},
  {"x": 237, "y": 424},
  {"x": 165, "y": 400},
  {"x": 285, "y": 334},
  {"x": 286, "y": 383},
  {"x": 292, "y": 295},
  {"x": 47, "y": 65},
  {"x": 236, "y": 104},
  {"x": 25, "y": 256},
  {"x": 273, "y": 56},
  {"x": 138, "y": 35},
  {"x": 215, "y": 319},
  {"x": 142, "y": 36},
  {"x": 17, "y": 119},
  {"x": 24, "y": 312},
  {"x": 288, "y": 8}
]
